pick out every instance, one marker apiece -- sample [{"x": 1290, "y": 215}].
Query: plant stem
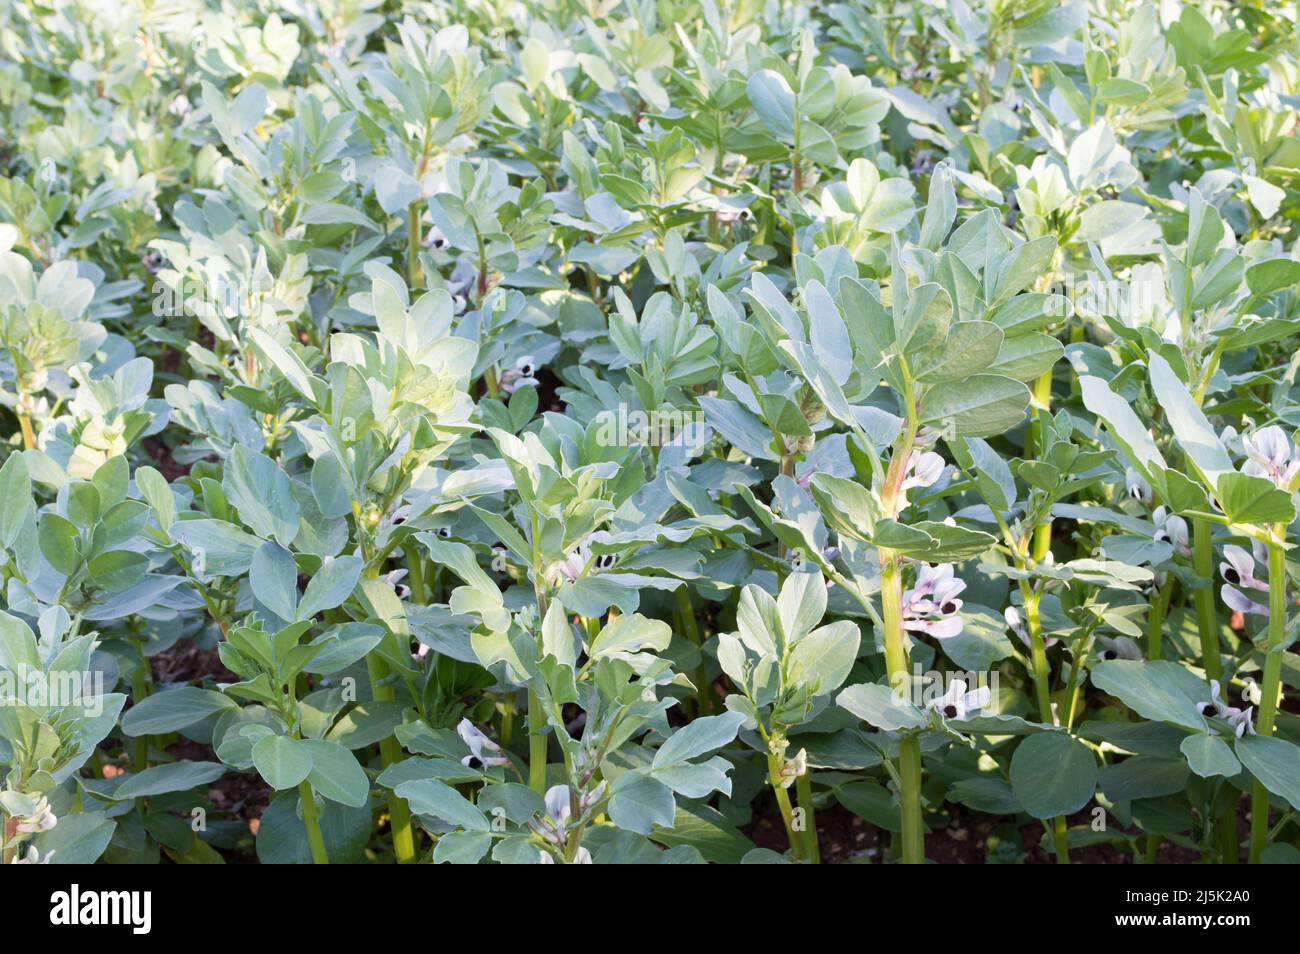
[
  {"x": 1203, "y": 596},
  {"x": 311, "y": 818},
  {"x": 704, "y": 691},
  {"x": 909, "y": 746},
  {"x": 1043, "y": 692},
  {"x": 390, "y": 751},
  {"x": 29, "y": 435},
  {"x": 1207, "y": 622},
  {"x": 413, "y": 276},
  {"x": 1156, "y": 619},
  {"x": 1272, "y": 686},
  {"x": 774, "y": 767},
  {"x": 536, "y": 744},
  {"x": 139, "y": 692},
  {"x": 803, "y": 787},
  {"x": 1155, "y": 633}
]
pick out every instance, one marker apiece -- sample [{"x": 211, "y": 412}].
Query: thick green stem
[
  {"x": 1155, "y": 633},
  {"x": 536, "y": 744},
  {"x": 1207, "y": 620},
  {"x": 704, "y": 690},
  {"x": 311, "y": 819},
  {"x": 390, "y": 751},
  {"x": 1061, "y": 840},
  {"x": 413, "y": 276},
  {"x": 909, "y": 746},
  {"x": 139, "y": 692},
  {"x": 812, "y": 848},
  {"x": 1207, "y": 623},
  {"x": 1156, "y": 619},
  {"x": 1043, "y": 692},
  {"x": 1272, "y": 685},
  {"x": 797, "y": 844}
]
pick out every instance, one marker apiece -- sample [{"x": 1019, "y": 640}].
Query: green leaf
[
  {"x": 1125, "y": 426},
  {"x": 274, "y": 579},
  {"x": 428, "y": 796},
  {"x": 336, "y": 774},
  {"x": 462, "y": 847},
  {"x": 1271, "y": 275},
  {"x": 638, "y": 803},
  {"x": 1160, "y": 690},
  {"x": 773, "y": 100},
  {"x": 76, "y": 839},
  {"x": 876, "y": 704},
  {"x": 698, "y": 737},
  {"x": 15, "y": 499},
  {"x": 176, "y": 777},
  {"x": 173, "y": 710},
  {"x": 260, "y": 490},
  {"x": 330, "y": 586},
  {"x": 1209, "y": 755},
  {"x": 282, "y": 835},
  {"x": 847, "y": 507},
  {"x": 1053, "y": 774},
  {"x": 1275, "y": 763},
  {"x": 1254, "y": 500},
  {"x": 18, "y": 649},
  {"x": 282, "y": 761},
  {"x": 983, "y": 405},
  {"x": 630, "y": 634},
  {"x": 1143, "y": 776},
  {"x": 821, "y": 660},
  {"x": 1196, "y": 436}
]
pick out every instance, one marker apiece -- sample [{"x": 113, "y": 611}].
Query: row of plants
[{"x": 565, "y": 432}]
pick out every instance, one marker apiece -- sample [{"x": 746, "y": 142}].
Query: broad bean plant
[{"x": 504, "y": 431}]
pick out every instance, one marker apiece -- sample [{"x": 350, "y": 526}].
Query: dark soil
[
  {"x": 234, "y": 795},
  {"x": 162, "y": 458},
  {"x": 969, "y": 838},
  {"x": 184, "y": 661}
]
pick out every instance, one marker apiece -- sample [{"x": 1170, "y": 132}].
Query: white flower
[
  {"x": 551, "y": 825},
  {"x": 33, "y": 857},
  {"x": 957, "y": 703},
  {"x": 1272, "y": 456},
  {"x": 1243, "y": 722},
  {"x": 932, "y": 606},
  {"x": 434, "y": 238},
  {"x": 1137, "y": 487},
  {"x": 1239, "y": 568},
  {"x": 1017, "y": 626},
  {"x": 575, "y": 564},
  {"x": 581, "y": 857},
  {"x": 1120, "y": 647},
  {"x": 521, "y": 375},
  {"x": 791, "y": 769},
  {"x": 1239, "y": 602},
  {"x": 41, "y": 818},
  {"x": 1250, "y": 691},
  {"x": 923, "y": 469},
  {"x": 478, "y": 745},
  {"x": 571, "y": 567},
  {"x": 1171, "y": 528},
  {"x": 1240, "y": 720}
]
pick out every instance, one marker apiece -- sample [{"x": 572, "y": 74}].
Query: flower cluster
[
  {"x": 483, "y": 751},
  {"x": 1240, "y": 720},
  {"x": 932, "y": 606}
]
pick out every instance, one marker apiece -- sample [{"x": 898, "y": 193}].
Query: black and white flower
[
  {"x": 483, "y": 750},
  {"x": 932, "y": 605},
  {"x": 958, "y": 703}
]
